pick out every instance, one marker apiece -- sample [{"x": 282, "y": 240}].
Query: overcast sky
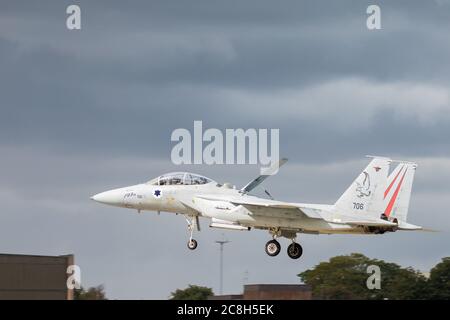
[{"x": 89, "y": 110}]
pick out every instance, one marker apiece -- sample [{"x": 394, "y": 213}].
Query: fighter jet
[{"x": 374, "y": 203}]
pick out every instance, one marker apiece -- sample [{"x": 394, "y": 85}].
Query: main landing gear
[
  {"x": 193, "y": 223},
  {"x": 294, "y": 250},
  {"x": 273, "y": 247}
]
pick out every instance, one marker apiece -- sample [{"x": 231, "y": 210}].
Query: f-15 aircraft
[{"x": 374, "y": 203}]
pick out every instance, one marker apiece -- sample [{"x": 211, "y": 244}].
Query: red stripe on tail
[
  {"x": 388, "y": 210},
  {"x": 392, "y": 183}
]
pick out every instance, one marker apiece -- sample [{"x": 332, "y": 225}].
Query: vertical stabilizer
[
  {"x": 366, "y": 194},
  {"x": 398, "y": 191}
]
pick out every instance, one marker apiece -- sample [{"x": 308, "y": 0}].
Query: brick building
[
  {"x": 29, "y": 277},
  {"x": 270, "y": 292}
]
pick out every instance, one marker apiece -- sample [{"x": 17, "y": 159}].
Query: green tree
[
  {"x": 192, "y": 292},
  {"x": 93, "y": 293},
  {"x": 345, "y": 277},
  {"x": 439, "y": 281}
]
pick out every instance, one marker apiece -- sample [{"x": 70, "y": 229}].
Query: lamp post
[{"x": 221, "y": 243}]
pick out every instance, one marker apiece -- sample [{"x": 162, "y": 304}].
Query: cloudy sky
[{"x": 89, "y": 110}]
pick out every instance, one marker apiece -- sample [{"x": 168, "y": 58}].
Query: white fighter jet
[{"x": 374, "y": 203}]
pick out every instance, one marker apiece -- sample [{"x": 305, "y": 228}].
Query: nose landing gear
[
  {"x": 192, "y": 244},
  {"x": 193, "y": 223}
]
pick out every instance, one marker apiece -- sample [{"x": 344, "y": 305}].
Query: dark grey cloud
[
  {"x": 132, "y": 68},
  {"x": 88, "y": 110}
]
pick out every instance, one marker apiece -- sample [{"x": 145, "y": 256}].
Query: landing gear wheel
[
  {"x": 192, "y": 244},
  {"x": 294, "y": 250},
  {"x": 273, "y": 248}
]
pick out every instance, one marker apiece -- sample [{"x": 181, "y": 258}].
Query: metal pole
[
  {"x": 221, "y": 268},
  {"x": 221, "y": 243}
]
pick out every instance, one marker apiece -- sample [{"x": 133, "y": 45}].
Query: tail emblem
[{"x": 362, "y": 189}]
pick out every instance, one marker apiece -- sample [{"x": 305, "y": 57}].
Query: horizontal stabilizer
[
  {"x": 364, "y": 221},
  {"x": 429, "y": 230},
  {"x": 408, "y": 226}
]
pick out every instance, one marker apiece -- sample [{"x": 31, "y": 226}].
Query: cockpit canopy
[{"x": 179, "y": 178}]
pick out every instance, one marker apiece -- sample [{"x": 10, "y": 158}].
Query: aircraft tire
[
  {"x": 192, "y": 244},
  {"x": 273, "y": 248},
  {"x": 294, "y": 250}
]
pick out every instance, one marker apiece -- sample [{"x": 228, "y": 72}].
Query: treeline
[{"x": 347, "y": 277}]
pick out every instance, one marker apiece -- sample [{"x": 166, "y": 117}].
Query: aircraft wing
[
  {"x": 265, "y": 203},
  {"x": 251, "y": 202},
  {"x": 313, "y": 213}
]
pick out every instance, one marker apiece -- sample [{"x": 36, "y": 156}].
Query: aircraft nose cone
[{"x": 111, "y": 197}]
